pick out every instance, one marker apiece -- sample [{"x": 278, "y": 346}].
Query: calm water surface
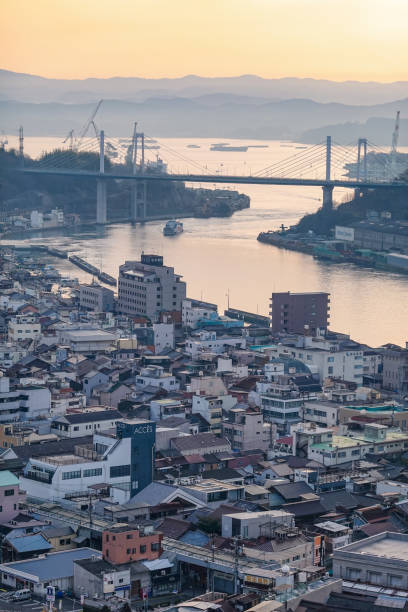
[{"x": 221, "y": 256}]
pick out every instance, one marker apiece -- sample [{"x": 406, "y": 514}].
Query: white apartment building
[
  {"x": 376, "y": 439},
  {"x": 210, "y": 407},
  {"x": 147, "y": 288},
  {"x": 85, "y": 423},
  {"x": 163, "y": 336},
  {"x": 165, "y": 408},
  {"x": 245, "y": 429},
  {"x": 283, "y": 410},
  {"x": 155, "y": 376},
  {"x": 196, "y": 310},
  {"x": 211, "y": 342},
  {"x": 10, "y": 353},
  {"x": 96, "y": 297},
  {"x": 23, "y": 327},
  {"x": 327, "y": 359},
  {"x": 253, "y": 525},
  {"x": 23, "y": 403},
  {"x": 323, "y": 413}
]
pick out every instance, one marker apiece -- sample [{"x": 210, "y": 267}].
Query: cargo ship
[
  {"x": 57, "y": 252},
  {"x": 106, "y": 278},
  {"x": 84, "y": 265},
  {"x": 172, "y": 228},
  {"x": 226, "y": 148}
]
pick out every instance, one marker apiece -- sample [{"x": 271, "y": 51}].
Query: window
[
  {"x": 129, "y": 536},
  {"x": 374, "y": 577},
  {"x": 1, "y": 508},
  {"x": 128, "y": 551},
  {"x": 76, "y": 428},
  {"x": 71, "y": 475},
  {"x": 143, "y": 549},
  {"x": 93, "y": 472},
  {"x": 119, "y": 470},
  {"x": 155, "y": 546},
  {"x": 8, "y": 492}
]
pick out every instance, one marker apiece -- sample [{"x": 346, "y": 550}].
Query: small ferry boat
[{"x": 172, "y": 228}]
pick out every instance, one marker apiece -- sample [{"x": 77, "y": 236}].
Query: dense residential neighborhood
[{"x": 156, "y": 452}]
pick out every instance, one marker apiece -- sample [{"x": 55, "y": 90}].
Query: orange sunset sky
[{"x": 333, "y": 39}]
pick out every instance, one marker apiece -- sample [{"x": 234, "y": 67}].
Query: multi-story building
[
  {"x": 212, "y": 342},
  {"x": 253, "y": 525},
  {"x": 214, "y": 493},
  {"x": 85, "y": 423},
  {"x": 23, "y": 402},
  {"x": 299, "y": 312},
  {"x": 380, "y": 560},
  {"x": 244, "y": 427},
  {"x": 126, "y": 459},
  {"x": 155, "y": 376},
  {"x": 24, "y": 327},
  {"x": 375, "y": 439},
  {"x": 147, "y": 287},
  {"x": 281, "y": 409},
  {"x": 329, "y": 359},
  {"x": 395, "y": 368},
  {"x": 96, "y": 297},
  {"x": 196, "y": 310},
  {"x": 128, "y": 544},
  {"x": 210, "y": 407}
]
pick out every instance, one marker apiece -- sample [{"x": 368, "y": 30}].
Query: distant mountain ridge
[
  {"x": 207, "y": 116},
  {"x": 33, "y": 88}
]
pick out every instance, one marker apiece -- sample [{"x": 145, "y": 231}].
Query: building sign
[
  {"x": 344, "y": 233},
  {"x": 143, "y": 429},
  {"x": 50, "y": 593}
]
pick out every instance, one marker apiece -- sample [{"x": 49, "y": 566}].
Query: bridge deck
[{"x": 220, "y": 178}]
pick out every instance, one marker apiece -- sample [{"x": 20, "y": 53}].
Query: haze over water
[{"x": 217, "y": 256}]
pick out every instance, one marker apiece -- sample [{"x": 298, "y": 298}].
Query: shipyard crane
[
  {"x": 91, "y": 121},
  {"x": 395, "y": 134},
  {"x": 69, "y": 137},
  {"x": 394, "y": 145}
]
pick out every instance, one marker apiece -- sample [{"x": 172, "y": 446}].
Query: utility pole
[{"x": 236, "y": 563}]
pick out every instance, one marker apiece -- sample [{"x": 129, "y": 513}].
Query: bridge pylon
[
  {"x": 328, "y": 189},
  {"x": 101, "y": 192},
  {"x": 138, "y": 193}
]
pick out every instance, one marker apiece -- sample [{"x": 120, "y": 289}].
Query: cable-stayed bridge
[{"x": 135, "y": 159}]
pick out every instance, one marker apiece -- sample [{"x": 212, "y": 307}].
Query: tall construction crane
[
  {"x": 394, "y": 145},
  {"x": 70, "y": 137},
  {"x": 91, "y": 121},
  {"x": 395, "y": 134}
]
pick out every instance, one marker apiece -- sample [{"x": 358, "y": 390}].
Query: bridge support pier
[
  {"x": 327, "y": 198},
  {"x": 101, "y": 202},
  {"x": 138, "y": 201}
]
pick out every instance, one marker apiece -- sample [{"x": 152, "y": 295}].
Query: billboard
[{"x": 344, "y": 233}]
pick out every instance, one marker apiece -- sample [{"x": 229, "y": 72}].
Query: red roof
[
  {"x": 285, "y": 440},
  {"x": 194, "y": 459}
]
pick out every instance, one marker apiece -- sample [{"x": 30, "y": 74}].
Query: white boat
[{"x": 172, "y": 228}]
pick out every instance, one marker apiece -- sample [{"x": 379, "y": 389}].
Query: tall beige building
[{"x": 147, "y": 288}]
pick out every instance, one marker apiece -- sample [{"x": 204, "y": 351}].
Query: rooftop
[
  {"x": 386, "y": 545},
  {"x": 50, "y": 567},
  {"x": 7, "y": 479}
]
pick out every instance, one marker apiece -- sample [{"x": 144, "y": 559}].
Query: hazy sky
[{"x": 334, "y": 39}]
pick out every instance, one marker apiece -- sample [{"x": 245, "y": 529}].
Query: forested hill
[{"x": 379, "y": 200}]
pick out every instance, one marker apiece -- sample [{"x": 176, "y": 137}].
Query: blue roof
[
  {"x": 53, "y": 566},
  {"x": 29, "y": 543}
]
